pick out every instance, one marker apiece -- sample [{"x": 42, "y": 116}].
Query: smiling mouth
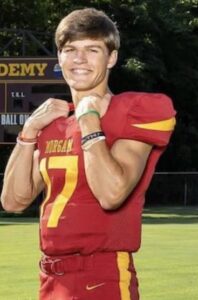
[{"x": 81, "y": 71}]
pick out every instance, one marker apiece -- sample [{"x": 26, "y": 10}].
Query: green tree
[{"x": 158, "y": 54}]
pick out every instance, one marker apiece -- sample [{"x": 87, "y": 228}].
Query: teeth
[{"x": 80, "y": 71}]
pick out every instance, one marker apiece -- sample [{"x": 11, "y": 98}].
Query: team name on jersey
[{"x": 59, "y": 146}]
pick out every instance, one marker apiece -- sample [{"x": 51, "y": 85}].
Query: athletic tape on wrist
[{"x": 89, "y": 111}]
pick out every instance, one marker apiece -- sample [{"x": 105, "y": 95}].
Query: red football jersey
[{"x": 72, "y": 220}]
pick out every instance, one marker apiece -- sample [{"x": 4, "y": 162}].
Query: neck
[{"x": 78, "y": 95}]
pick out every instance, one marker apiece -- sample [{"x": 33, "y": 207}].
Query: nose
[{"x": 80, "y": 57}]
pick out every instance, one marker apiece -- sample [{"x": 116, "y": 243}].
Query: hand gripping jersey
[{"x": 72, "y": 220}]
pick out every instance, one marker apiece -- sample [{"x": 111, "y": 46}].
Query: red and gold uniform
[{"x": 72, "y": 222}]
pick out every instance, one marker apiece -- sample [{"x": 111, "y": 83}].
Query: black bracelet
[{"x": 91, "y": 136}]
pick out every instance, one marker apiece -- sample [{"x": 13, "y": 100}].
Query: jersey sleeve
[{"x": 151, "y": 119}]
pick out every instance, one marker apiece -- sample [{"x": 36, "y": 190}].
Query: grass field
[{"x": 167, "y": 263}]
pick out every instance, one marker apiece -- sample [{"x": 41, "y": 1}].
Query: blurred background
[{"x": 159, "y": 46}]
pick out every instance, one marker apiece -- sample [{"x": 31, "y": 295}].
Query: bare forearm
[
  {"x": 23, "y": 181},
  {"x": 18, "y": 189},
  {"x": 105, "y": 176}
]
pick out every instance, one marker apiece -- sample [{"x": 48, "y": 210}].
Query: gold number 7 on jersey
[{"x": 70, "y": 164}]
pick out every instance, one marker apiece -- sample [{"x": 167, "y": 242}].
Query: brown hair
[{"x": 87, "y": 23}]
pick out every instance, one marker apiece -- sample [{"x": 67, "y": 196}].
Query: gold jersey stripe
[
  {"x": 165, "y": 125},
  {"x": 123, "y": 261}
]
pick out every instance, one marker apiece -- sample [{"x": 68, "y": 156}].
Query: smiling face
[{"x": 85, "y": 65}]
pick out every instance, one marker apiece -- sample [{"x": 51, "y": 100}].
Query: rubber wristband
[
  {"x": 91, "y": 136},
  {"x": 21, "y": 142},
  {"x": 90, "y": 143},
  {"x": 90, "y": 111},
  {"x": 26, "y": 140}
]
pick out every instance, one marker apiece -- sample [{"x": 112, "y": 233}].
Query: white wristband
[{"x": 90, "y": 143}]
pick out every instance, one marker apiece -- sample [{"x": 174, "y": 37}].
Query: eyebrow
[{"x": 87, "y": 46}]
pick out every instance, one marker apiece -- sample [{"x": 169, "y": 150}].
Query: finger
[
  {"x": 52, "y": 102},
  {"x": 50, "y": 114},
  {"x": 59, "y": 102}
]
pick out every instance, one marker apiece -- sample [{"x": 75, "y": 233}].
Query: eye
[
  {"x": 94, "y": 50},
  {"x": 67, "y": 50}
]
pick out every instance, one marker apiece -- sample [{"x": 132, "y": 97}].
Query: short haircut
[{"x": 87, "y": 23}]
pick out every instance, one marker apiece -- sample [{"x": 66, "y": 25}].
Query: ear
[
  {"x": 113, "y": 57},
  {"x": 59, "y": 58}
]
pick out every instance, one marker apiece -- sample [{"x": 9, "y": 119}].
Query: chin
[{"x": 81, "y": 88}]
